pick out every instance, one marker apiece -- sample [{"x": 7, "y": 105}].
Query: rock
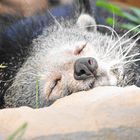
[{"x": 103, "y": 113}]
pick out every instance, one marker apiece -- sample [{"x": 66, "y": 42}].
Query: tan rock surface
[{"x": 102, "y": 107}]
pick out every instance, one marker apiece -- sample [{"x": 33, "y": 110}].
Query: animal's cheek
[
  {"x": 113, "y": 80},
  {"x": 102, "y": 81},
  {"x": 117, "y": 76},
  {"x": 67, "y": 68},
  {"x": 106, "y": 80},
  {"x": 79, "y": 85}
]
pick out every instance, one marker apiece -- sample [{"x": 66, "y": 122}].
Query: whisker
[
  {"x": 134, "y": 60},
  {"x": 55, "y": 19},
  {"x": 128, "y": 33},
  {"x": 104, "y": 26},
  {"x": 129, "y": 61},
  {"x": 137, "y": 54},
  {"x": 125, "y": 40},
  {"x": 130, "y": 48},
  {"x": 109, "y": 44},
  {"x": 130, "y": 38}
]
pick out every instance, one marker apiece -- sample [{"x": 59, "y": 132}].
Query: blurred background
[
  {"x": 127, "y": 12},
  {"x": 30, "y": 7}
]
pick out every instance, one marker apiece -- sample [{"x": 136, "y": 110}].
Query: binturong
[{"x": 67, "y": 58}]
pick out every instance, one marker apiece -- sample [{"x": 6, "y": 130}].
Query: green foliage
[
  {"x": 111, "y": 21},
  {"x": 133, "y": 19},
  {"x": 18, "y": 134},
  {"x": 136, "y": 11},
  {"x": 37, "y": 93},
  {"x": 130, "y": 26},
  {"x": 110, "y": 7}
]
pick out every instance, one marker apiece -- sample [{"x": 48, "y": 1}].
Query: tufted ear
[{"x": 85, "y": 21}]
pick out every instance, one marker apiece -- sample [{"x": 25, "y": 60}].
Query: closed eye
[
  {"x": 52, "y": 86},
  {"x": 80, "y": 49}
]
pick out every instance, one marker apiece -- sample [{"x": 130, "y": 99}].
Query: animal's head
[
  {"x": 72, "y": 59},
  {"x": 81, "y": 60}
]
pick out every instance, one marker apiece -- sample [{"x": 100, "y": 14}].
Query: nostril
[
  {"x": 90, "y": 61},
  {"x": 82, "y": 72}
]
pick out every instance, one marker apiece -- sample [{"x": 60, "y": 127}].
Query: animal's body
[{"x": 66, "y": 58}]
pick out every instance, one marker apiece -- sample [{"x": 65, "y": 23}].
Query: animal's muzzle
[{"x": 85, "y": 68}]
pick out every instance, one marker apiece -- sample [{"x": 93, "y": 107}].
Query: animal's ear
[
  {"x": 86, "y": 19},
  {"x": 87, "y": 22}
]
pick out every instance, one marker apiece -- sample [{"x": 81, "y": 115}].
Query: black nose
[{"x": 85, "y": 68}]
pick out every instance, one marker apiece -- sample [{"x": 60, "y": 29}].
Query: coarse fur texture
[
  {"x": 16, "y": 40},
  {"x": 48, "y": 72}
]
